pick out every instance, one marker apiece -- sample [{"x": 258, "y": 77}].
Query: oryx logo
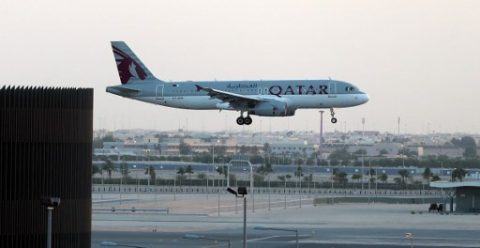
[{"x": 127, "y": 67}]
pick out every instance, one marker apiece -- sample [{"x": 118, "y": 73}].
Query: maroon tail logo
[{"x": 127, "y": 67}]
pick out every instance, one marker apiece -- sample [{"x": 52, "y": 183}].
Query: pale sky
[{"x": 418, "y": 60}]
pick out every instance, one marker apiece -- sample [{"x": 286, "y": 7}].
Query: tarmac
[{"x": 337, "y": 225}]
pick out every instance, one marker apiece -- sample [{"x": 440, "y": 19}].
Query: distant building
[
  {"x": 450, "y": 151},
  {"x": 292, "y": 148},
  {"x": 467, "y": 194}
]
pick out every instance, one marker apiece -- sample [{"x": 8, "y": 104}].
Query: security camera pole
[
  {"x": 240, "y": 193},
  {"x": 50, "y": 203}
]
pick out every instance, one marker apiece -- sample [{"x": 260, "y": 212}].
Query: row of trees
[{"x": 338, "y": 177}]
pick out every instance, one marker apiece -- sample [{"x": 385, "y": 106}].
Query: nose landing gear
[
  {"x": 332, "y": 113},
  {"x": 244, "y": 120}
]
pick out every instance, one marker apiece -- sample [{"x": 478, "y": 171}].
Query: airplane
[{"x": 261, "y": 98}]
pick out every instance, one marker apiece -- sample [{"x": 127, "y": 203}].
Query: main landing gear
[
  {"x": 332, "y": 113},
  {"x": 244, "y": 120}
]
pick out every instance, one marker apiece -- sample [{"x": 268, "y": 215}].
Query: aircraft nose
[
  {"x": 365, "y": 98},
  {"x": 362, "y": 98}
]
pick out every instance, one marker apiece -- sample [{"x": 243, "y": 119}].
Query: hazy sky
[{"x": 418, "y": 60}]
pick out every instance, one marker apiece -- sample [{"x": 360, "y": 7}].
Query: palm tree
[
  {"x": 356, "y": 177},
  {"x": 95, "y": 170},
  {"x": 383, "y": 177},
  {"x": 181, "y": 173},
  {"x": 189, "y": 171},
  {"x": 427, "y": 174},
  {"x": 287, "y": 177},
  {"x": 299, "y": 174},
  {"x": 459, "y": 174},
  {"x": 150, "y": 171},
  {"x": 108, "y": 167},
  {"x": 124, "y": 170},
  {"x": 223, "y": 170},
  {"x": 403, "y": 176}
]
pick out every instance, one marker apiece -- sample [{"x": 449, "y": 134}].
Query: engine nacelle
[{"x": 272, "y": 108}]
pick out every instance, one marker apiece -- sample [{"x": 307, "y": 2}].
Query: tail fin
[{"x": 130, "y": 68}]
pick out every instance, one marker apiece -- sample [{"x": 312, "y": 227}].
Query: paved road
[{"x": 324, "y": 237}]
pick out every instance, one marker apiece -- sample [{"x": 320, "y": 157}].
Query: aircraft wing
[{"x": 235, "y": 100}]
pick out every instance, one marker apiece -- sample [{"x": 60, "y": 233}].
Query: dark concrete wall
[
  {"x": 45, "y": 150},
  {"x": 467, "y": 199}
]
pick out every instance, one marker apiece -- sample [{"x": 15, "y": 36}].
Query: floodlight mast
[{"x": 242, "y": 191}]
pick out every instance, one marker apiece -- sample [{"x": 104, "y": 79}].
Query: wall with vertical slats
[{"x": 45, "y": 150}]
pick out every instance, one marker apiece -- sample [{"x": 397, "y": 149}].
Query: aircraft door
[
  {"x": 159, "y": 91},
  {"x": 332, "y": 89}
]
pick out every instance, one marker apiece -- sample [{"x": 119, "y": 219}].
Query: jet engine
[{"x": 272, "y": 108}]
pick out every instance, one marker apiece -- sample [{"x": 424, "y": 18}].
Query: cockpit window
[{"x": 349, "y": 88}]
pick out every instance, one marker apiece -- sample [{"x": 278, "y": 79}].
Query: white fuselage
[{"x": 184, "y": 95}]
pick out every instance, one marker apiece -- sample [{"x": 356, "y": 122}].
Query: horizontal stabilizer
[{"x": 123, "y": 91}]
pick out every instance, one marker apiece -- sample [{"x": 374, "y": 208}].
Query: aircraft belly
[
  {"x": 321, "y": 101},
  {"x": 188, "y": 102}
]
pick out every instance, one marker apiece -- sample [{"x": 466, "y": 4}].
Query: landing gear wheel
[
  {"x": 332, "y": 113},
  {"x": 247, "y": 120},
  {"x": 240, "y": 120}
]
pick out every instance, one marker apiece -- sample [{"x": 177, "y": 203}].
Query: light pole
[
  {"x": 213, "y": 161},
  {"x": 240, "y": 193},
  {"x": 147, "y": 152},
  {"x": 136, "y": 177},
  {"x": 103, "y": 185},
  {"x": 363, "y": 155},
  {"x": 279, "y": 229},
  {"x": 50, "y": 203},
  {"x": 269, "y": 192},
  {"x": 196, "y": 237}
]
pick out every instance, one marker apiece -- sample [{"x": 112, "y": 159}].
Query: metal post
[
  {"x": 49, "y": 230},
  {"x": 300, "y": 192},
  {"x": 236, "y": 205},
  {"x": 269, "y": 192},
  {"x": 148, "y": 167},
  {"x": 363, "y": 155},
  {"x": 120, "y": 188},
  {"x": 285, "y": 192},
  {"x": 174, "y": 187},
  {"x": 218, "y": 205},
  {"x": 244, "y": 222},
  {"x": 138, "y": 193},
  {"x": 252, "y": 187},
  {"x": 103, "y": 186},
  {"x": 296, "y": 235}
]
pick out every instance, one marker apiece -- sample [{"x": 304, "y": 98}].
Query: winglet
[{"x": 199, "y": 88}]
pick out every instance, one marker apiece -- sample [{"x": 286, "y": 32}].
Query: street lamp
[
  {"x": 51, "y": 203},
  {"x": 363, "y": 155},
  {"x": 196, "y": 237},
  {"x": 279, "y": 229},
  {"x": 136, "y": 177},
  {"x": 240, "y": 193},
  {"x": 110, "y": 243},
  {"x": 147, "y": 152}
]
